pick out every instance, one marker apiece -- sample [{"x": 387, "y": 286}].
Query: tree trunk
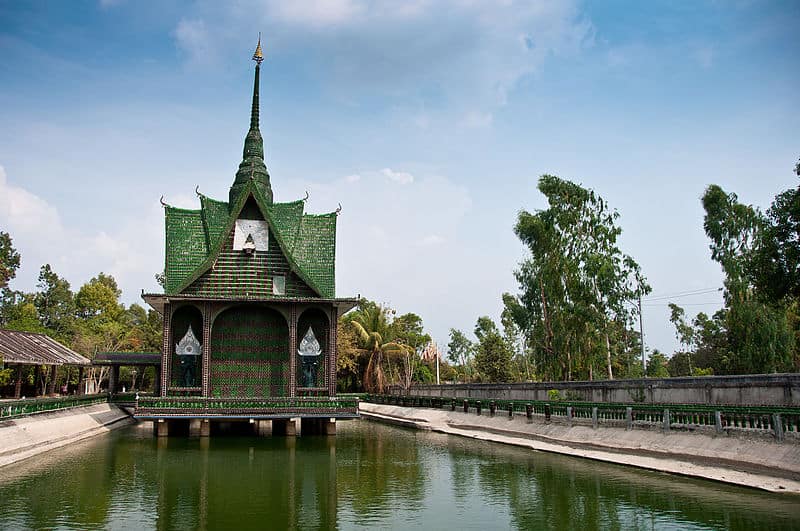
[{"x": 608, "y": 356}]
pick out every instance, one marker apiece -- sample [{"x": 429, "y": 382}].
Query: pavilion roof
[
  {"x": 127, "y": 358},
  {"x": 36, "y": 349}
]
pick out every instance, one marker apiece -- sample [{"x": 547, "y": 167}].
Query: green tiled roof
[
  {"x": 196, "y": 237},
  {"x": 187, "y": 246}
]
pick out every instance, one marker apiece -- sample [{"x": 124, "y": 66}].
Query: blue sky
[{"x": 429, "y": 122}]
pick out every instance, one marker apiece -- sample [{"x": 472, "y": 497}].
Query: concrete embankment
[
  {"x": 29, "y": 436},
  {"x": 742, "y": 460}
]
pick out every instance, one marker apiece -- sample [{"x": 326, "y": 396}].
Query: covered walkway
[{"x": 25, "y": 349}]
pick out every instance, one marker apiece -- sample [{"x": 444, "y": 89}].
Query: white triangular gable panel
[{"x": 257, "y": 228}]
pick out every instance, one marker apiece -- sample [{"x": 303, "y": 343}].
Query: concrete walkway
[
  {"x": 29, "y": 436},
  {"x": 752, "y": 462}
]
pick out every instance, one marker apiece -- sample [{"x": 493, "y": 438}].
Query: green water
[{"x": 368, "y": 476}]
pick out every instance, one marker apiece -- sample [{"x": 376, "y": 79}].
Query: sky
[{"x": 428, "y": 121}]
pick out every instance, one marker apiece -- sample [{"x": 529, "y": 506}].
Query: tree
[
  {"x": 657, "y": 365},
  {"x": 55, "y": 304},
  {"x": 407, "y": 330},
  {"x": 575, "y": 284},
  {"x": 753, "y": 258},
  {"x": 9, "y": 260},
  {"x": 373, "y": 330},
  {"x": 493, "y": 354},
  {"x": 349, "y": 369},
  {"x": 460, "y": 349}
]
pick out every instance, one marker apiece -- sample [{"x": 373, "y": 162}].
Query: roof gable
[{"x": 307, "y": 242}]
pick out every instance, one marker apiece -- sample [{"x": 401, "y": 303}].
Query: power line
[
  {"x": 681, "y": 294},
  {"x": 687, "y": 304}
]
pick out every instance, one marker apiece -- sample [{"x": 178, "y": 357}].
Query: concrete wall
[
  {"x": 29, "y": 436},
  {"x": 761, "y": 389}
]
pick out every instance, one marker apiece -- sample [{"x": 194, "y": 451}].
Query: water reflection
[{"x": 367, "y": 476}]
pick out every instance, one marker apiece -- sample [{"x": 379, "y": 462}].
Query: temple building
[{"x": 249, "y": 306}]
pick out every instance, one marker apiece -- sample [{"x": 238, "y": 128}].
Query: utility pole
[{"x": 641, "y": 336}]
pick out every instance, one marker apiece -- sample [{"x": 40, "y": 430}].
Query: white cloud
[
  {"x": 477, "y": 119},
  {"x": 123, "y": 250},
  {"x": 400, "y": 177},
  {"x": 193, "y": 38},
  {"x": 431, "y": 240},
  {"x": 316, "y": 13},
  {"x": 352, "y": 178},
  {"x": 452, "y": 53}
]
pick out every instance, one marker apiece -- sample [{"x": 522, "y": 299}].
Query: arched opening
[
  {"x": 249, "y": 353},
  {"x": 186, "y": 367},
  {"x": 312, "y": 373}
]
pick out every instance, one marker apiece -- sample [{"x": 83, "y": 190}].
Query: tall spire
[{"x": 252, "y": 166}]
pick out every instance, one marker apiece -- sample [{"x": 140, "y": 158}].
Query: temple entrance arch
[
  {"x": 186, "y": 363},
  {"x": 312, "y": 373},
  {"x": 249, "y": 353}
]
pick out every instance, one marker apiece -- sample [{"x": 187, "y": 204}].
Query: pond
[{"x": 368, "y": 476}]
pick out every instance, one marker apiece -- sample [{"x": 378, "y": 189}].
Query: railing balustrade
[
  {"x": 760, "y": 419},
  {"x": 10, "y": 409}
]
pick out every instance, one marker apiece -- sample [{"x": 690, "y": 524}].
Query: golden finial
[{"x": 258, "y": 56}]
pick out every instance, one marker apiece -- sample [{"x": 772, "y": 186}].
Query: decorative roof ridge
[
  {"x": 250, "y": 189},
  {"x": 179, "y": 209}
]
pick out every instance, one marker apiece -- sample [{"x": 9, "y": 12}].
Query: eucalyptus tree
[
  {"x": 576, "y": 282},
  {"x": 758, "y": 265}
]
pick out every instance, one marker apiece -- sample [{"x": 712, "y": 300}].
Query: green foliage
[
  {"x": 657, "y": 365},
  {"x": 55, "y": 304},
  {"x": 554, "y": 395},
  {"x": 9, "y": 259},
  {"x": 493, "y": 354},
  {"x": 760, "y": 256},
  {"x": 571, "y": 308},
  {"x": 679, "y": 364}
]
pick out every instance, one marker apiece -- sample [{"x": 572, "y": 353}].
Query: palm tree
[{"x": 374, "y": 333}]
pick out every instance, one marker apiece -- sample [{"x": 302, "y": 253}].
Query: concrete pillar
[
  {"x": 80, "y": 381},
  {"x": 194, "y": 427},
  {"x": 264, "y": 427},
  {"x": 163, "y": 427},
  {"x": 628, "y": 418},
  {"x": 18, "y": 383},
  {"x": 777, "y": 426},
  {"x": 718, "y": 421},
  {"x": 291, "y": 427},
  {"x": 51, "y": 383},
  {"x": 666, "y": 420},
  {"x": 205, "y": 428},
  {"x": 113, "y": 378},
  {"x": 594, "y": 417},
  {"x": 36, "y": 377},
  {"x": 330, "y": 426}
]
